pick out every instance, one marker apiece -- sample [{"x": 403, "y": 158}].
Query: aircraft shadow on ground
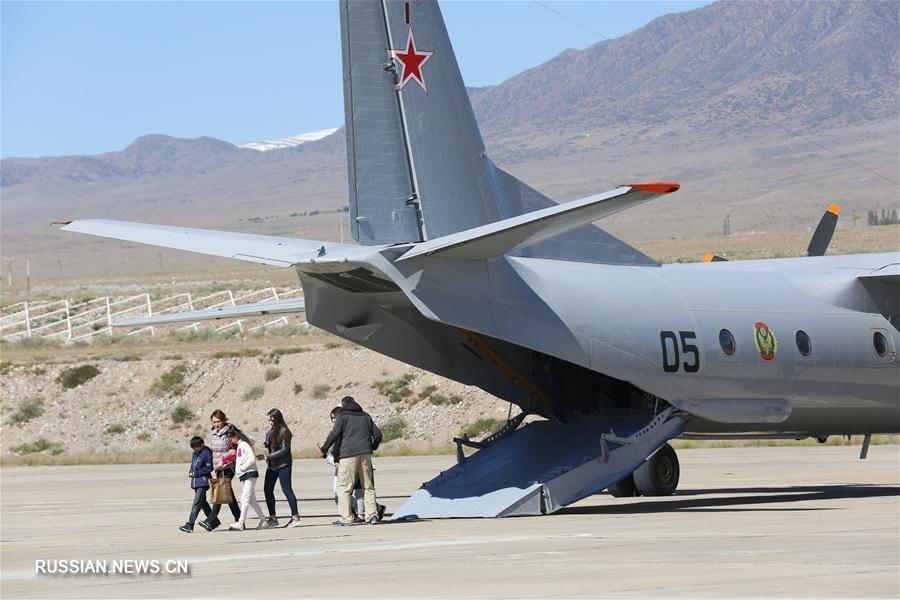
[{"x": 683, "y": 501}]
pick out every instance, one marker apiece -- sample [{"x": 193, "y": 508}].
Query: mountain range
[{"x": 764, "y": 111}]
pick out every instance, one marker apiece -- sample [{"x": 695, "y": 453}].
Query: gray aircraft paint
[
  {"x": 447, "y": 172},
  {"x": 419, "y": 291},
  {"x": 609, "y": 318}
]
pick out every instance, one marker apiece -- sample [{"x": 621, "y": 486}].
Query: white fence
[{"x": 80, "y": 320}]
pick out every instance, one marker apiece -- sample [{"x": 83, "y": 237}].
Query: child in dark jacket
[{"x": 201, "y": 468}]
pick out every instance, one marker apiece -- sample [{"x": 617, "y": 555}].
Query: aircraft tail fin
[{"x": 417, "y": 165}]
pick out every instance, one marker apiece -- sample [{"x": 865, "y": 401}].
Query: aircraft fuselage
[{"x": 657, "y": 328}]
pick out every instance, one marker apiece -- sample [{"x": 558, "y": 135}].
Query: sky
[{"x": 90, "y": 77}]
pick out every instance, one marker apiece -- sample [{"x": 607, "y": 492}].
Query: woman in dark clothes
[
  {"x": 280, "y": 462},
  {"x": 223, "y": 462}
]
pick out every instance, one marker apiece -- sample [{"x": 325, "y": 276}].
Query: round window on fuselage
[
  {"x": 880, "y": 343},
  {"x": 726, "y": 340},
  {"x": 804, "y": 344}
]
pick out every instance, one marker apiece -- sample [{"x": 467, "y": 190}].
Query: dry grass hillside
[{"x": 141, "y": 402}]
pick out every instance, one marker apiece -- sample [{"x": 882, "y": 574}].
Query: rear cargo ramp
[{"x": 543, "y": 467}]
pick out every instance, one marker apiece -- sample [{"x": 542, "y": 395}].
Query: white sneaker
[
  {"x": 237, "y": 527},
  {"x": 295, "y": 522}
]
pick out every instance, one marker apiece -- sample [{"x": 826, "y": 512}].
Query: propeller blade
[{"x": 822, "y": 236}]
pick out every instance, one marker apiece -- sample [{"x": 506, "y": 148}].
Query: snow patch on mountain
[{"x": 288, "y": 142}]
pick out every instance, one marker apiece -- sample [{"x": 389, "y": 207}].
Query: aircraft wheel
[
  {"x": 658, "y": 476},
  {"x": 623, "y": 488}
]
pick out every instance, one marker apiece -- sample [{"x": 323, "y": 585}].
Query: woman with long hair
[
  {"x": 279, "y": 464},
  {"x": 223, "y": 464}
]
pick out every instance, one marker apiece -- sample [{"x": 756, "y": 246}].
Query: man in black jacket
[{"x": 359, "y": 436}]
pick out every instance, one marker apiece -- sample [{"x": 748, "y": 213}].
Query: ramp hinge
[
  {"x": 390, "y": 67},
  {"x": 639, "y": 434},
  {"x": 413, "y": 199},
  {"x": 508, "y": 428},
  {"x": 604, "y": 450}
]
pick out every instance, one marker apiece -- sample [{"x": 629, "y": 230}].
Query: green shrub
[
  {"x": 182, "y": 414},
  {"x": 27, "y": 410},
  {"x": 143, "y": 437},
  {"x": 427, "y": 391},
  {"x": 396, "y": 390},
  {"x": 283, "y": 351},
  {"x": 332, "y": 345},
  {"x": 40, "y": 445},
  {"x": 393, "y": 429},
  {"x": 254, "y": 393},
  {"x": 298, "y": 388},
  {"x": 171, "y": 382},
  {"x": 172, "y": 357},
  {"x": 275, "y": 355},
  {"x": 4, "y": 367},
  {"x": 383, "y": 386},
  {"x": 75, "y": 376},
  {"x": 483, "y": 426},
  {"x": 38, "y": 371},
  {"x": 124, "y": 357},
  {"x": 246, "y": 353},
  {"x": 442, "y": 400},
  {"x": 272, "y": 373},
  {"x": 320, "y": 391},
  {"x": 115, "y": 429}
]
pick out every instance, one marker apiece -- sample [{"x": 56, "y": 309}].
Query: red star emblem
[{"x": 412, "y": 61}]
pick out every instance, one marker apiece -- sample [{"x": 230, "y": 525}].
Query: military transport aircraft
[{"x": 467, "y": 272}]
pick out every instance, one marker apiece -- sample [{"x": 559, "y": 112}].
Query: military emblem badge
[{"x": 765, "y": 340}]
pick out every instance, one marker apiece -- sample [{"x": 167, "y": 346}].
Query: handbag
[{"x": 221, "y": 490}]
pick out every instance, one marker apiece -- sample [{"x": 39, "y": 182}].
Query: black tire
[
  {"x": 658, "y": 476},
  {"x": 623, "y": 488}
]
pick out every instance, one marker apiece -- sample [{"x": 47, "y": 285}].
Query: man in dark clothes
[
  {"x": 359, "y": 436},
  {"x": 357, "y": 498}
]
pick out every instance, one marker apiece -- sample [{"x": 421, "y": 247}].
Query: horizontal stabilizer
[
  {"x": 259, "y": 309},
  {"x": 501, "y": 237},
  {"x": 886, "y": 274},
  {"x": 263, "y": 249}
]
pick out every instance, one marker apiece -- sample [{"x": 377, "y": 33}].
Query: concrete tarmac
[{"x": 746, "y": 522}]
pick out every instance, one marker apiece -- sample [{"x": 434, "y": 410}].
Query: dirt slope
[{"x": 86, "y": 420}]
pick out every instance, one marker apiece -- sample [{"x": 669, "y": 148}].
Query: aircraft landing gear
[
  {"x": 658, "y": 476},
  {"x": 623, "y": 488}
]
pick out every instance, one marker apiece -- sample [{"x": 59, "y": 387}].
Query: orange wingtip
[
  {"x": 657, "y": 187},
  {"x": 60, "y": 222},
  {"x": 709, "y": 257},
  {"x": 834, "y": 209}
]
